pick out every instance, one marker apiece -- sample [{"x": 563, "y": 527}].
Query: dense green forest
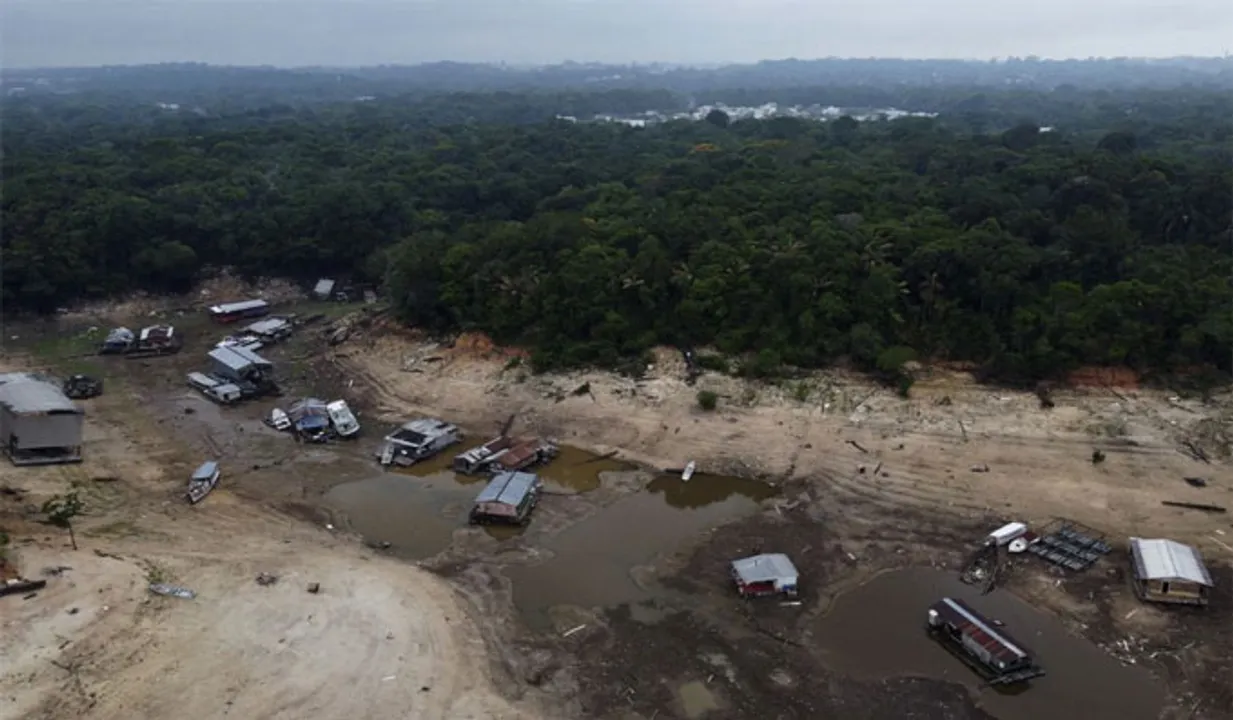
[{"x": 1103, "y": 238}]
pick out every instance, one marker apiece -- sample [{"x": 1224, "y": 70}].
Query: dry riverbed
[{"x": 615, "y": 601}]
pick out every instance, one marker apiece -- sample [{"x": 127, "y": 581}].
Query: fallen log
[
  {"x": 22, "y": 586},
  {"x": 1194, "y": 506}
]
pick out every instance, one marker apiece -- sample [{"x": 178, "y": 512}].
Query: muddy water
[
  {"x": 592, "y": 561},
  {"x": 417, "y": 509},
  {"x": 877, "y": 631},
  {"x": 416, "y": 515}
]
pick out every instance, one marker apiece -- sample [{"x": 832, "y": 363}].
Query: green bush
[{"x": 707, "y": 400}]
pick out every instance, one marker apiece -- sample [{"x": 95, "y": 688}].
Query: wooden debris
[{"x": 1194, "y": 506}]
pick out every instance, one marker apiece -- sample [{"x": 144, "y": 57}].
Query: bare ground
[
  {"x": 382, "y": 639},
  {"x": 1039, "y": 462}
]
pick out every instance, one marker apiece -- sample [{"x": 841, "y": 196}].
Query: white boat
[
  {"x": 203, "y": 480},
  {"x": 342, "y": 418},
  {"x": 278, "y": 420},
  {"x": 688, "y": 472}
]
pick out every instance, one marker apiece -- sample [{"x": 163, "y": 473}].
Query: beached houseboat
[{"x": 997, "y": 657}]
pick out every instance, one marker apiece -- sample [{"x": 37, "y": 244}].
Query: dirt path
[
  {"x": 924, "y": 449},
  {"x": 381, "y": 639}
]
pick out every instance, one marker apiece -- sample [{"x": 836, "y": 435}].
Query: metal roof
[
  {"x": 306, "y": 407},
  {"x": 268, "y": 325},
  {"x": 324, "y": 286},
  {"x": 120, "y": 335},
  {"x": 237, "y": 357},
  {"x": 202, "y": 379},
  {"x": 765, "y": 568},
  {"x": 206, "y": 471},
  {"x": 232, "y": 360},
  {"x": 1168, "y": 560},
  {"x": 509, "y": 488},
  {"x": 998, "y": 644},
  {"x": 241, "y": 306},
  {"x": 25, "y": 394}
]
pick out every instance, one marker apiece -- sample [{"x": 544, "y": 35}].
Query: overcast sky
[{"x": 367, "y": 32}]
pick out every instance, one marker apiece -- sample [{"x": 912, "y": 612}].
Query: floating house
[
  {"x": 766, "y": 574},
  {"x": 508, "y": 498},
  {"x": 270, "y": 330},
  {"x": 997, "y": 657},
  {"x": 1166, "y": 571},
  {"x": 39, "y": 425},
  {"x": 238, "y": 363},
  {"x": 418, "y": 440}
]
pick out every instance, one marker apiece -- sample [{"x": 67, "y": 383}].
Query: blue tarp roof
[{"x": 508, "y": 487}]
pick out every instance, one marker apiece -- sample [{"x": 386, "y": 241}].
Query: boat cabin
[
  {"x": 766, "y": 574},
  {"x": 523, "y": 455},
  {"x": 418, "y": 440},
  {"x": 477, "y": 459},
  {"x": 997, "y": 657},
  {"x": 508, "y": 498},
  {"x": 202, "y": 481}
]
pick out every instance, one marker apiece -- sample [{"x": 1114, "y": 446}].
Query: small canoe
[
  {"x": 204, "y": 479},
  {"x": 688, "y": 472}
]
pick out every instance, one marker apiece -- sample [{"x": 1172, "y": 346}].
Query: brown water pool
[{"x": 877, "y": 631}]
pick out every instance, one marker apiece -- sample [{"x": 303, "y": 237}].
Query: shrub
[{"x": 707, "y": 400}]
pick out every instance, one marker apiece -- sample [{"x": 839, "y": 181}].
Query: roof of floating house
[
  {"x": 510, "y": 488},
  {"x": 765, "y": 568},
  {"x": 119, "y": 336},
  {"x": 305, "y": 408},
  {"x": 999, "y": 645},
  {"x": 418, "y": 432},
  {"x": 26, "y": 394},
  {"x": 271, "y": 325},
  {"x": 1168, "y": 560},
  {"x": 235, "y": 307},
  {"x": 238, "y": 357}
]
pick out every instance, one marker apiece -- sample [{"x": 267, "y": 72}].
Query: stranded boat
[
  {"x": 688, "y": 472},
  {"x": 204, "y": 479},
  {"x": 997, "y": 657}
]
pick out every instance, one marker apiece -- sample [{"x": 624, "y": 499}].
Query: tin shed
[
  {"x": 38, "y": 423},
  {"x": 1169, "y": 572}
]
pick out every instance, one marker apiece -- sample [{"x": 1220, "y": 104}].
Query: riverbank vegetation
[{"x": 1028, "y": 248}]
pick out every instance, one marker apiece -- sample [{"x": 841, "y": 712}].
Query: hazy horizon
[{"x": 355, "y": 33}]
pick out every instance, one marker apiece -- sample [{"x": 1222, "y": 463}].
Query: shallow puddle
[
  {"x": 592, "y": 561},
  {"x": 416, "y": 515},
  {"x": 696, "y": 699},
  {"x": 878, "y": 631}
]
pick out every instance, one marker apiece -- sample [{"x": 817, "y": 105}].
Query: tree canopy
[{"x": 1092, "y": 235}]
